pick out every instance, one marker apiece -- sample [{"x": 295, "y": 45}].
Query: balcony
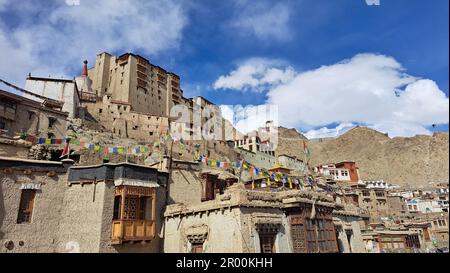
[
  {"x": 132, "y": 230},
  {"x": 134, "y": 214}
]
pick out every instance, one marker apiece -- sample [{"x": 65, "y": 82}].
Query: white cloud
[
  {"x": 263, "y": 19},
  {"x": 3, "y": 4},
  {"x": 57, "y": 42},
  {"x": 250, "y": 117},
  {"x": 256, "y": 75},
  {"x": 326, "y": 132},
  {"x": 368, "y": 89}
]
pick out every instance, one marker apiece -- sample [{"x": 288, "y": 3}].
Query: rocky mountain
[{"x": 412, "y": 161}]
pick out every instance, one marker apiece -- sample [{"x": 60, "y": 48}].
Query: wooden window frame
[
  {"x": 128, "y": 192},
  {"x": 22, "y": 217},
  {"x": 319, "y": 233},
  {"x": 197, "y": 248},
  {"x": 267, "y": 239}
]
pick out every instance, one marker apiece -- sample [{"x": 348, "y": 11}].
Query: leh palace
[{"x": 117, "y": 159}]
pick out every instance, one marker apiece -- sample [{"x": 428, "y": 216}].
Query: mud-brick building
[
  {"x": 246, "y": 221},
  {"x": 31, "y": 197},
  {"x": 348, "y": 224},
  {"x": 391, "y": 240},
  {"x": 50, "y": 206},
  {"x": 23, "y": 115}
]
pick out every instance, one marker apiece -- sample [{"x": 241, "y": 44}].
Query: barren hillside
[{"x": 400, "y": 160}]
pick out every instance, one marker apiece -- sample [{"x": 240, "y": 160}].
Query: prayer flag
[{"x": 66, "y": 150}]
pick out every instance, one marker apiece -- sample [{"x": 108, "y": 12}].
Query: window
[
  {"x": 311, "y": 237},
  {"x": 135, "y": 204},
  {"x": 26, "y": 206},
  {"x": 116, "y": 212},
  {"x": 2, "y": 125},
  {"x": 267, "y": 242},
  {"x": 320, "y": 236},
  {"x": 51, "y": 122},
  {"x": 197, "y": 248},
  {"x": 412, "y": 241},
  {"x": 298, "y": 238},
  {"x": 379, "y": 193}
]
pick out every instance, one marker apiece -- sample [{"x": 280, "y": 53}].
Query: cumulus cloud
[
  {"x": 250, "y": 117},
  {"x": 263, "y": 19},
  {"x": 326, "y": 132},
  {"x": 57, "y": 42},
  {"x": 368, "y": 89},
  {"x": 256, "y": 74}
]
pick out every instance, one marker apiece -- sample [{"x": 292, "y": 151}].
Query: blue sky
[{"x": 403, "y": 42}]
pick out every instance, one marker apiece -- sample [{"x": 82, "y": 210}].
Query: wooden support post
[
  {"x": 153, "y": 212},
  {"x": 122, "y": 211}
]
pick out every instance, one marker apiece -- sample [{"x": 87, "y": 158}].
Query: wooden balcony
[{"x": 132, "y": 230}]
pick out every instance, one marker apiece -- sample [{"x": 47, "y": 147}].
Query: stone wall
[
  {"x": 75, "y": 217},
  {"x": 348, "y": 223},
  {"x": 223, "y": 232},
  {"x": 33, "y": 119},
  {"x": 40, "y": 235},
  {"x": 258, "y": 159},
  {"x": 14, "y": 148},
  {"x": 82, "y": 216}
]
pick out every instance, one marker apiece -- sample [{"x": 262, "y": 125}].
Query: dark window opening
[
  {"x": 51, "y": 122},
  {"x": 267, "y": 242},
  {"x": 116, "y": 213},
  {"x": 197, "y": 248},
  {"x": 55, "y": 154},
  {"x": 26, "y": 206}
]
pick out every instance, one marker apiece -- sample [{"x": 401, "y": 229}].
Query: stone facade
[
  {"x": 249, "y": 222},
  {"x": 73, "y": 207},
  {"x": 132, "y": 79},
  {"x": 119, "y": 118},
  {"x": 348, "y": 231},
  {"x": 373, "y": 200},
  {"x": 22, "y": 115},
  {"x": 292, "y": 163}
]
